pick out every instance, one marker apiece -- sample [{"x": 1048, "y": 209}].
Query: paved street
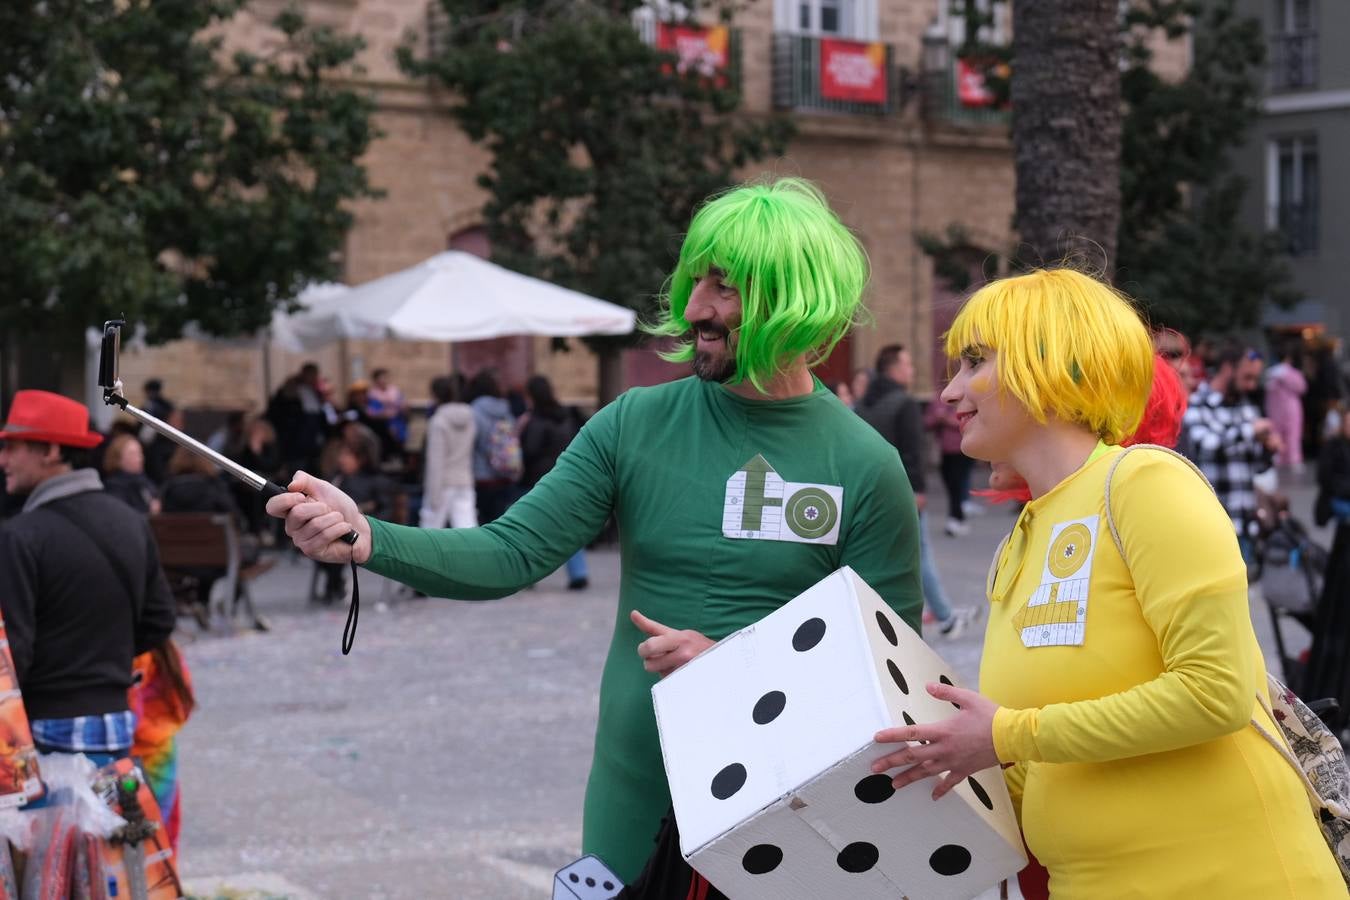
[{"x": 447, "y": 756}]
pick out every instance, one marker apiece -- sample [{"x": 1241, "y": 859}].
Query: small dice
[{"x": 586, "y": 879}]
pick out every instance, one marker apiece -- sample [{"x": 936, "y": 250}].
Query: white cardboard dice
[
  {"x": 586, "y": 879},
  {"x": 767, "y": 740}
]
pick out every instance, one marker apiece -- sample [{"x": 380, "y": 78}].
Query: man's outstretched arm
[{"x": 562, "y": 513}]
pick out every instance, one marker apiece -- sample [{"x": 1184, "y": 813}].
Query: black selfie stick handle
[{"x": 272, "y": 489}]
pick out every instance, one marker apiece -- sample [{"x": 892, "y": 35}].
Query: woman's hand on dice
[
  {"x": 959, "y": 746},
  {"x": 666, "y": 648}
]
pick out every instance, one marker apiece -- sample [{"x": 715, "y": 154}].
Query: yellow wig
[{"x": 1068, "y": 346}]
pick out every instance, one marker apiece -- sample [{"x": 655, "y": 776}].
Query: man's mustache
[{"x": 711, "y": 328}]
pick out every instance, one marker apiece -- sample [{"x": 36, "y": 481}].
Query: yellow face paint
[{"x": 982, "y": 382}]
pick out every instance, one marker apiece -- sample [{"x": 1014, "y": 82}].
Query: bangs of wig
[
  {"x": 1068, "y": 346},
  {"x": 799, "y": 271}
]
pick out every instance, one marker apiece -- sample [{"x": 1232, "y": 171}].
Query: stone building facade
[{"x": 920, "y": 161}]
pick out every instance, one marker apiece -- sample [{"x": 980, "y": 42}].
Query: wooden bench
[{"x": 193, "y": 544}]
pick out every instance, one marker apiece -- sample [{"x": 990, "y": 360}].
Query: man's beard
[{"x": 716, "y": 366}]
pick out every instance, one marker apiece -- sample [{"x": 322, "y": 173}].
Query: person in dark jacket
[
  {"x": 80, "y": 583},
  {"x": 889, "y": 408},
  {"x": 1328, "y": 671},
  {"x": 545, "y": 432},
  {"x": 494, "y": 488},
  {"x": 194, "y": 486},
  {"x": 358, "y": 473},
  {"x": 124, "y": 474}
]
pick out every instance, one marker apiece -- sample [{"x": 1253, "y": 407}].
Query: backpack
[{"x": 504, "y": 457}]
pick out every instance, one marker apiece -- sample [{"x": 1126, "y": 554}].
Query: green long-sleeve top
[{"x": 704, "y": 485}]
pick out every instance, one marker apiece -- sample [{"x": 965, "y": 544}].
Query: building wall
[
  {"x": 1322, "y": 110},
  {"x": 887, "y": 177}
]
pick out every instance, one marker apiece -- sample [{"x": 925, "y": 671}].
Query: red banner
[
  {"x": 970, "y": 87},
  {"x": 701, "y": 50},
  {"x": 852, "y": 71}
]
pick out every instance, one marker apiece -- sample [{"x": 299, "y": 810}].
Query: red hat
[{"x": 44, "y": 417}]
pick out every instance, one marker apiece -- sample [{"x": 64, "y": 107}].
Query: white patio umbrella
[
  {"x": 312, "y": 300},
  {"x": 453, "y": 296}
]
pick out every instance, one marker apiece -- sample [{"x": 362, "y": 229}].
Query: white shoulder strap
[{"x": 1110, "y": 473}]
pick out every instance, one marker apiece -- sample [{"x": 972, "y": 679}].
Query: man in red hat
[{"x": 81, "y": 589}]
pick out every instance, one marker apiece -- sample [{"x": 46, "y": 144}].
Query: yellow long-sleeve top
[{"x": 1127, "y": 687}]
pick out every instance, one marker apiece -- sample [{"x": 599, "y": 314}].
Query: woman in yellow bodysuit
[{"x": 1120, "y": 687}]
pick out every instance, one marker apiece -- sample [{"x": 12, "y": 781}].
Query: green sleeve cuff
[
  {"x": 372, "y": 562},
  {"x": 1015, "y": 734}
]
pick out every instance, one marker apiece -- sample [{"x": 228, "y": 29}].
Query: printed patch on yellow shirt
[
  {"x": 1056, "y": 614},
  {"x": 761, "y": 506}
]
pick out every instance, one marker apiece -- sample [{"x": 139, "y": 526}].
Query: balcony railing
[
  {"x": 941, "y": 94},
  {"x": 801, "y": 82},
  {"x": 1298, "y": 223},
  {"x": 1293, "y": 61}
]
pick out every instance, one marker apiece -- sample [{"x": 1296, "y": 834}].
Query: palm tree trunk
[{"x": 1066, "y": 109}]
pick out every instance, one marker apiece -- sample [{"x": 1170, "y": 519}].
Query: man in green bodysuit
[{"x": 735, "y": 489}]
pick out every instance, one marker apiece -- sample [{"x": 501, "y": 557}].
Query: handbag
[{"x": 1305, "y": 742}]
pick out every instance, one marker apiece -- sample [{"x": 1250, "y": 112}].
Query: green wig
[{"x": 799, "y": 271}]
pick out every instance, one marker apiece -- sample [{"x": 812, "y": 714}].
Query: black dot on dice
[
  {"x": 950, "y": 859},
  {"x": 909, "y": 720},
  {"x": 981, "y": 793},
  {"x": 761, "y": 859},
  {"x": 874, "y": 789},
  {"x": 728, "y": 781},
  {"x": 897, "y": 676},
  {"x": 887, "y": 629},
  {"x": 947, "y": 681},
  {"x": 572, "y": 876},
  {"x": 808, "y": 634},
  {"x": 768, "y": 707},
  {"x": 608, "y": 885},
  {"x": 858, "y": 857},
  {"x": 590, "y": 882}
]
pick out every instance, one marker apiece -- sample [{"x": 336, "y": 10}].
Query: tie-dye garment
[{"x": 159, "y": 714}]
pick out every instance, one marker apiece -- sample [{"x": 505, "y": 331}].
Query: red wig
[{"x": 1161, "y": 424}]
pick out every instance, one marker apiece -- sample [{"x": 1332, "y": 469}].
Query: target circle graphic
[
  {"x": 811, "y": 513},
  {"x": 1070, "y": 550}
]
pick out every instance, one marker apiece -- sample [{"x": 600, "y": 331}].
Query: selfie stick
[{"x": 112, "y": 395}]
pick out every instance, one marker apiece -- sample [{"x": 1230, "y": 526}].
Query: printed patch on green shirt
[{"x": 761, "y": 506}]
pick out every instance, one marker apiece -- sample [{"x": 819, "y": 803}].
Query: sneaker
[
  {"x": 578, "y": 584},
  {"x": 972, "y": 508},
  {"x": 962, "y": 617},
  {"x": 956, "y": 528}
]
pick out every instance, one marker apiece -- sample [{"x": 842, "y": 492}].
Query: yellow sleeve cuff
[{"x": 1015, "y": 734}]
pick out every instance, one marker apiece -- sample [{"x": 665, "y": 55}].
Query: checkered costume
[{"x": 1220, "y": 439}]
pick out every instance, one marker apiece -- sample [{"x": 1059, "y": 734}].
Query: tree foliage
[
  {"x": 601, "y": 148},
  {"x": 143, "y": 173},
  {"x": 1183, "y": 251}
]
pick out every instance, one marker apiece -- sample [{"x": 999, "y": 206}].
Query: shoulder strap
[
  {"x": 109, "y": 553},
  {"x": 1282, "y": 746},
  {"x": 1110, "y": 473}
]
